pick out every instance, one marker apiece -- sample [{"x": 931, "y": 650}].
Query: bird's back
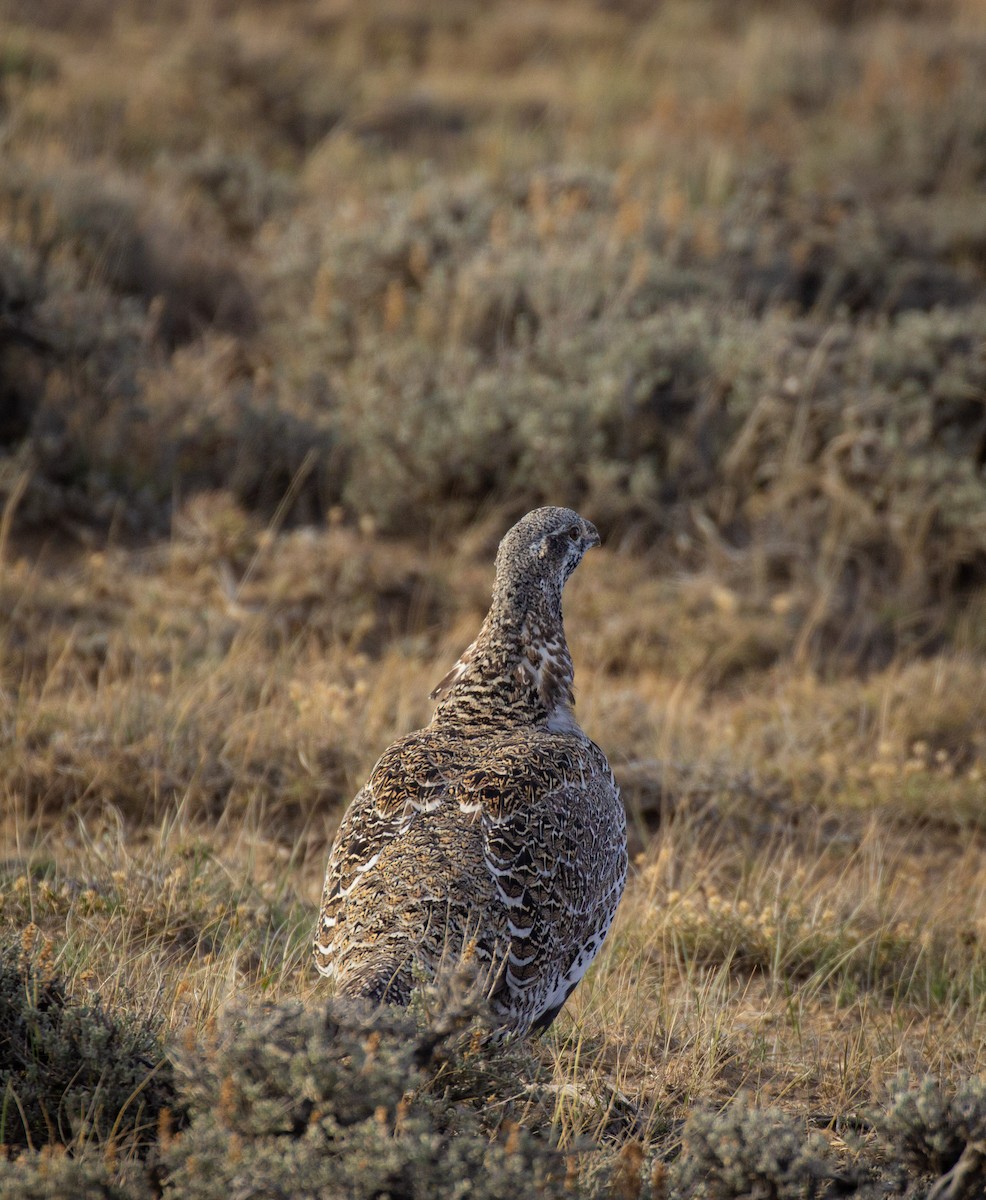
[{"x": 506, "y": 849}]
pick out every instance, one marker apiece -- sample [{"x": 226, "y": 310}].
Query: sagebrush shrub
[
  {"x": 72, "y": 1072},
  {"x": 747, "y": 1151},
  {"x": 342, "y": 1102},
  {"x": 929, "y": 1128}
]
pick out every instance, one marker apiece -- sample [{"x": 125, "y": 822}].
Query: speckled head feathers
[{"x": 542, "y": 549}]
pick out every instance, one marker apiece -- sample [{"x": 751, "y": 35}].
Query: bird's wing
[
  {"x": 410, "y": 778},
  {"x": 554, "y": 844}
]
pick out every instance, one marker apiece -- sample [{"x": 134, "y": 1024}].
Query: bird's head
[{"x": 541, "y": 551}]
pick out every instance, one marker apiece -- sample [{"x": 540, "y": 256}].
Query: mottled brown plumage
[{"x": 496, "y": 833}]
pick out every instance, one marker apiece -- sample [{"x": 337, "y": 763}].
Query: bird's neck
[{"x": 518, "y": 671}]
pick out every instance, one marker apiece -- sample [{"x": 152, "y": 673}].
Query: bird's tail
[{"x": 379, "y": 981}]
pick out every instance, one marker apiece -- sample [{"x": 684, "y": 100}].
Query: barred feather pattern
[{"x": 496, "y": 834}]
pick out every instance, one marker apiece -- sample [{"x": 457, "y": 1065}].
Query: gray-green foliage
[
  {"x": 930, "y": 1129},
  {"x": 746, "y": 1151},
  {"x": 73, "y": 1073},
  {"x": 338, "y": 1101},
  {"x": 633, "y": 376},
  {"x": 335, "y": 1103},
  {"x": 85, "y": 1176},
  {"x": 465, "y": 354}
]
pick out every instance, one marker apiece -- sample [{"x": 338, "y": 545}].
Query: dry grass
[{"x": 807, "y": 911}]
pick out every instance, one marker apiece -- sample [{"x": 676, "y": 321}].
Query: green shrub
[
  {"x": 334, "y": 1102},
  {"x": 72, "y": 1073},
  {"x": 931, "y": 1130},
  {"x": 122, "y": 241},
  {"x": 344, "y": 1101},
  {"x": 340, "y": 1102},
  {"x": 746, "y": 332},
  {"x": 745, "y": 1151},
  {"x": 86, "y": 1176}
]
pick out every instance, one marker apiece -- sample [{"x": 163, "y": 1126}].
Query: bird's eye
[{"x": 574, "y": 533}]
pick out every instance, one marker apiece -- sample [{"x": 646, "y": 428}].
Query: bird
[{"x": 496, "y": 834}]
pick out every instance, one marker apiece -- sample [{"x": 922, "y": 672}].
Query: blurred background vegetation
[
  {"x": 711, "y": 271},
  {"x": 302, "y": 302}
]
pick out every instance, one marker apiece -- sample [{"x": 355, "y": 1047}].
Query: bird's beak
[{"x": 591, "y": 535}]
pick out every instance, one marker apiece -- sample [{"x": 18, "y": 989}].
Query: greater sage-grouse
[{"x": 496, "y": 834}]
